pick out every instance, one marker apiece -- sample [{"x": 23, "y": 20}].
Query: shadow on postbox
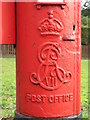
[{"x": 7, "y": 23}]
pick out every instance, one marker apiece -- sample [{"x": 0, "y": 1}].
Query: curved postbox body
[
  {"x": 48, "y": 59},
  {"x": 7, "y": 22}
]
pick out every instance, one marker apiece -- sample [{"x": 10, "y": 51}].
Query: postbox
[
  {"x": 7, "y": 22},
  {"x": 48, "y": 60}
]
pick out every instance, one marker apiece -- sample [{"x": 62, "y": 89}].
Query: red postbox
[
  {"x": 7, "y": 23},
  {"x": 48, "y": 59}
]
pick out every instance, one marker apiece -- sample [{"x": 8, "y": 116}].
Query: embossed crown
[{"x": 50, "y": 25}]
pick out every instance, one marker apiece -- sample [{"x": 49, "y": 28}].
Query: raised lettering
[
  {"x": 56, "y": 99},
  {"x": 39, "y": 98},
  {"x": 28, "y": 97},
  {"x": 44, "y": 98},
  {"x": 67, "y": 98},
  {"x": 33, "y": 98},
  {"x": 51, "y": 99}
]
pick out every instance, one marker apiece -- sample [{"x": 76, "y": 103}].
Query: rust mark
[{"x": 34, "y": 44}]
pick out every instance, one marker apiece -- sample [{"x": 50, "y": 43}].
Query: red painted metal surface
[
  {"x": 48, "y": 59},
  {"x": 7, "y": 19}
]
